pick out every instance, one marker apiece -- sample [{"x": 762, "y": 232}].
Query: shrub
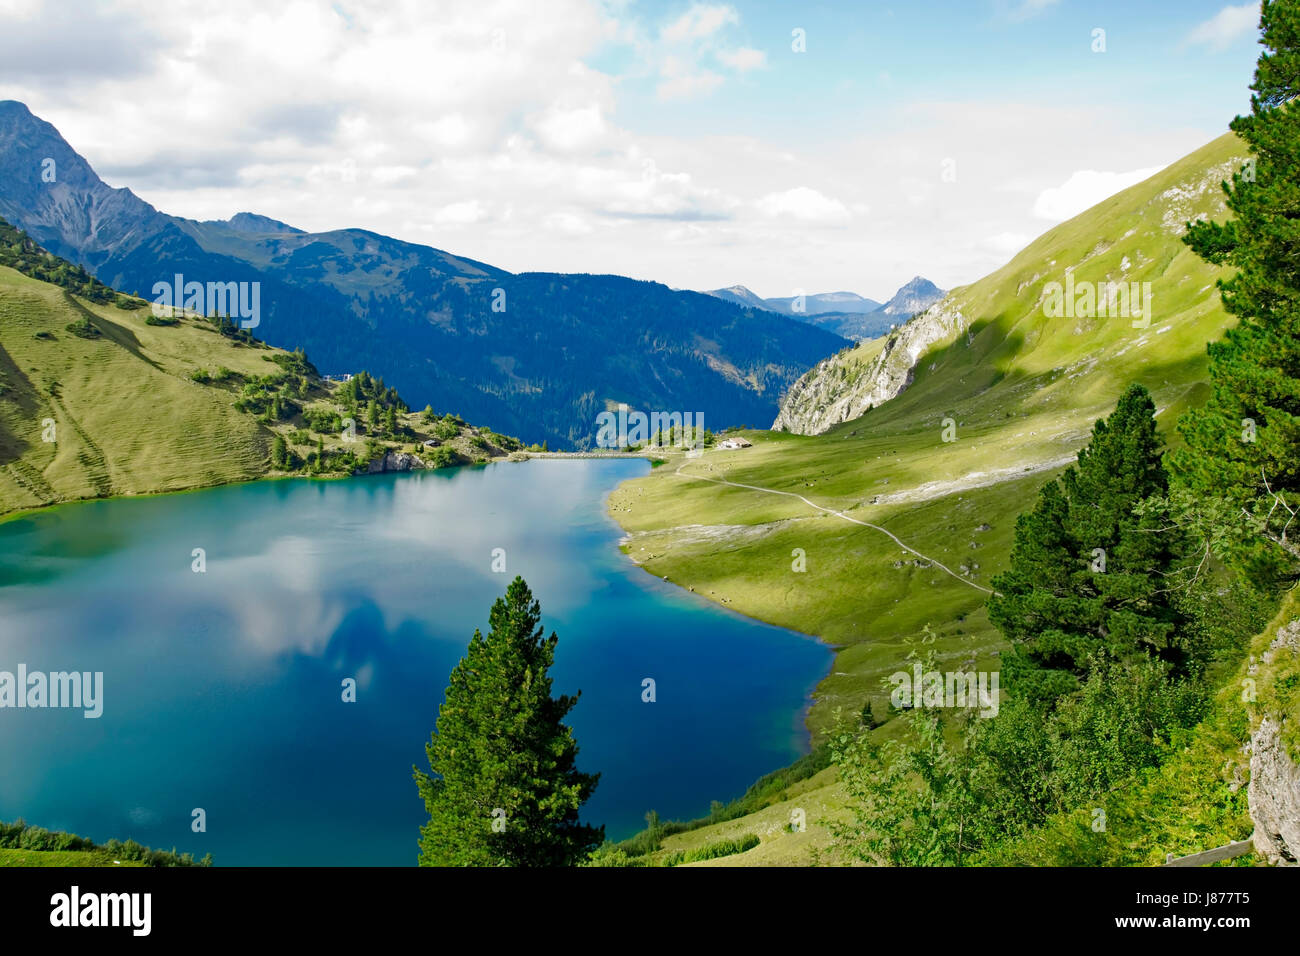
[{"x": 713, "y": 851}]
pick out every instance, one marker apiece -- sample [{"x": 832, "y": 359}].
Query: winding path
[{"x": 839, "y": 514}]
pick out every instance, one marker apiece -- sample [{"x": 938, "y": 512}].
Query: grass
[
  {"x": 79, "y": 858},
  {"x": 126, "y": 419},
  {"x": 124, "y": 410},
  {"x": 1022, "y": 390}
]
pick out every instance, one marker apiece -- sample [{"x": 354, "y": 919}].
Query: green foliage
[
  {"x": 19, "y": 836},
  {"x": 84, "y": 329},
  {"x": 916, "y": 802},
  {"x": 444, "y": 456},
  {"x": 446, "y": 428},
  {"x": 326, "y": 421},
  {"x": 295, "y": 362},
  {"x": 1244, "y": 444},
  {"x": 363, "y": 387},
  {"x": 503, "y": 787},
  {"x": 765, "y": 791},
  {"x": 1088, "y": 572},
  {"x": 18, "y": 251},
  {"x": 232, "y": 330},
  {"x": 712, "y": 851}
]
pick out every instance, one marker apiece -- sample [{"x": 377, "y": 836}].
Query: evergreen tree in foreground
[
  {"x": 1244, "y": 445},
  {"x": 1089, "y": 577},
  {"x": 504, "y": 790}
]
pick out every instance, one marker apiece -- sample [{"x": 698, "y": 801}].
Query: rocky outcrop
[
  {"x": 1274, "y": 795},
  {"x": 394, "y": 460},
  {"x": 1274, "y": 777},
  {"x": 843, "y": 387},
  {"x": 914, "y": 298}
]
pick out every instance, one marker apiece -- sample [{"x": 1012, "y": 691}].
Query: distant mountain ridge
[
  {"x": 844, "y": 313},
  {"x": 537, "y": 354},
  {"x": 822, "y": 303}
]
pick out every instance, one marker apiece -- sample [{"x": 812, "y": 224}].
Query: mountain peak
[
  {"x": 741, "y": 296},
  {"x": 252, "y": 222},
  {"x": 54, "y": 195},
  {"x": 916, "y": 295}
]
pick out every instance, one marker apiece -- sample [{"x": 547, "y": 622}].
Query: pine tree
[
  {"x": 1245, "y": 443},
  {"x": 504, "y": 789},
  {"x": 1088, "y": 575},
  {"x": 280, "y": 452}
]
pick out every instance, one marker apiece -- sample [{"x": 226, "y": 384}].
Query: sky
[{"x": 791, "y": 147}]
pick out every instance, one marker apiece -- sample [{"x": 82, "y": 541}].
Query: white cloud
[
  {"x": 804, "y": 204},
  {"x": 1226, "y": 27},
  {"x": 743, "y": 59},
  {"x": 1025, "y": 9},
  {"x": 447, "y": 131},
  {"x": 699, "y": 22},
  {"x": 483, "y": 128},
  {"x": 568, "y": 224},
  {"x": 571, "y": 129},
  {"x": 686, "y": 47},
  {"x": 1084, "y": 189},
  {"x": 1007, "y": 243},
  {"x": 683, "y": 79},
  {"x": 461, "y": 213}
]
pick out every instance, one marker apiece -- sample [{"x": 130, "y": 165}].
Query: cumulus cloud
[
  {"x": 1025, "y": 9},
  {"x": 699, "y": 22},
  {"x": 743, "y": 59},
  {"x": 571, "y": 129},
  {"x": 681, "y": 78},
  {"x": 690, "y": 50},
  {"x": 1084, "y": 189},
  {"x": 461, "y": 213},
  {"x": 1007, "y": 243},
  {"x": 501, "y": 121},
  {"x": 1226, "y": 27},
  {"x": 805, "y": 204}
]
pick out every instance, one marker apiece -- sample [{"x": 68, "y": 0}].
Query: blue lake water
[{"x": 222, "y": 689}]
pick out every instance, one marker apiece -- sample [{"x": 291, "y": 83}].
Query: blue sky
[
  {"x": 863, "y": 57},
  {"x": 681, "y": 142}
]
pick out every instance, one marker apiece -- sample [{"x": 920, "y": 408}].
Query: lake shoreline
[
  {"x": 811, "y": 695},
  {"x": 515, "y": 457}
]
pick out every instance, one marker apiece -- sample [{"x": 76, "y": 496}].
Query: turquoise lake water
[{"x": 222, "y": 689}]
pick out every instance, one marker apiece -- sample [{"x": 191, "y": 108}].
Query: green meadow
[{"x": 992, "y": 413}]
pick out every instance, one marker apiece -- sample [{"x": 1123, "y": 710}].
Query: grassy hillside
[
  {"x": 1021, "y": 392},
  {"x": 25, "y": 845},
  {"x": 61, "y": 858},
  {"x": 127, "y": 418},
  {"x": 99, "y": 398}
]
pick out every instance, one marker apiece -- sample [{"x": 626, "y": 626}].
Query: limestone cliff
[
  {"x": 844, "y": 386},
  {"x": 394, "y": 460},
  {"x": 1274, "y": 777}
]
